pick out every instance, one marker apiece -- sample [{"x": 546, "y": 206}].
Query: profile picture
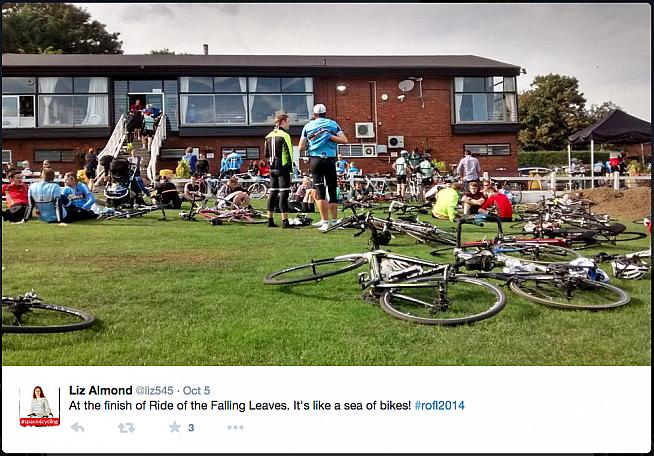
[{"x": 38, "y": 408}]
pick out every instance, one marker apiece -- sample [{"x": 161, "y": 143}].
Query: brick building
[{"x": 54, "y": 104}]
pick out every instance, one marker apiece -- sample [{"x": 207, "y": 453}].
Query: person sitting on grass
[
  {"x": 447, "y": 200},
  {"x": 359, "y": 192},
  {"x": 79, "y": 194},
  {"x": 193, "y": 190},
  {"x": 234, "y": 193},
  {"x": 503, "y": 207},
  {"x": 51, "y": 206},
  {"x": 473, "y": 199},
  {"x": 165, "y": 193},
  {"x": 15, "y": 193},
  {"x": 303, "y": 200}
]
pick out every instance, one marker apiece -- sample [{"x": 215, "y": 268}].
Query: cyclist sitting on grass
[
  {"x": 501, "y": 203},
  {"x": 473, "y": 199},
  {"x": 447, "y": 200},
  {"x": 78, "y": 193},
  {"x": 165, "y": 193},
  {"x": 232, "y": 191},
  {"x": 193, "y": 189}
]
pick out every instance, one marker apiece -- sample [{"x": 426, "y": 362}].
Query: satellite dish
[{"x": 406, "y": 85}]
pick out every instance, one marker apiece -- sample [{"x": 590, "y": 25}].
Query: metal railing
[
  {"x": 157, "y": 141},
  {"x": 115, "y": 142}
]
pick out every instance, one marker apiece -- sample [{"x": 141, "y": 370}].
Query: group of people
[
  {"x": 142, "y": 122},
  {"x": 476, "y": 200},
  {"x": 413, "y": 163}
]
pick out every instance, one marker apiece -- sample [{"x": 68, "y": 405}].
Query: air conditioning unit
[
  {"x": 396, "y": 141},
  {"x": 369, "y": 150},
  {"x": 364, "y": 129}
]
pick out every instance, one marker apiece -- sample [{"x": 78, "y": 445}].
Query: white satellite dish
[{"x": 406, "y": 85}]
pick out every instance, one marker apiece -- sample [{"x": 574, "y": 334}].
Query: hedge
[{"x": 556, "y": 158}]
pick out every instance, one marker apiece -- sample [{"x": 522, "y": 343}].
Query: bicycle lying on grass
[
  {"x": 29, "y": 314},
  {"x": 132, "y": 212},
  {"x": 421, "y": 291},
  {"x": 229, "y": 213}
]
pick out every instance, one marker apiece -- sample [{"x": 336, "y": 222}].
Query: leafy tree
[
  {"x": 163, "y": 51},
  {"x": 596, "y": 112},
  {"x": 550, "y": 112},
  {"x": 54, "y": 28}
]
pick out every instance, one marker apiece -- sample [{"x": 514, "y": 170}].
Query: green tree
[
  {"x": 54, "y": 28},
  {"x": 596, "y": 112},
  {"x": 550, "y": 112}
]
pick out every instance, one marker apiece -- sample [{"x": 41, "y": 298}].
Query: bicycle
[
  {"x": 29, "y": 314},
  {"x": 457, "y": 300}
]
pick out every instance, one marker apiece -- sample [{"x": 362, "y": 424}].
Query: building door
[{"x": 156, "y": 99}]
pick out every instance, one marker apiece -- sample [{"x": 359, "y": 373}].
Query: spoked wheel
[
  {"x": 455, "y": 301},
  {"x": 42, "y": 318},
  {"x": 537, "y": 253},
  {"x": 516, "y": 190},
  {"x": 571, "y": 293},
  {"x": 314, "y": 271},
  {"x": 624, "y": 236},
  {"x": 258, "y": 190}
]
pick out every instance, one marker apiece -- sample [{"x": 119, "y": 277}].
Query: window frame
[
  {"x": 17, "y": 97},
  {"x": 248, "y": 94},
  {"x": 487, "y": 146},
  {"x": 488, "y": 91},
  {"x": 61, "y": 153},
  {"x": 3, "y": 155}
]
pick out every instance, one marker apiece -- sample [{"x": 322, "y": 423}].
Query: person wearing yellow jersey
[
  {"x": 278, "y": 151},
  {"x": 446, "y": 202}
]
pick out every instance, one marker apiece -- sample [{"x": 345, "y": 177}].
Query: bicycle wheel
[
  {"x": 314, "y": 271},
  {"x": 258, "y": 190},
  {"x": 537, "y": 253},
  {"x": 44, "y": 318},
  {"x": 516, "y": 190},
  {"x": 570, "y": 293},
  {"x": 455, "y": 301},
  {"x": 624, "y": 236}
]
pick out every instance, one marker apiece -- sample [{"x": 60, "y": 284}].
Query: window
[
  {"x": 145, "y": 86},
  {"x": 6, "y": 156},
  {"x": 19, "y": 85},
  {"x": 87, "y": 106},
  {"x": 490, "y": 99},
  {"x": 54, "y": 155},
  {"x": 250, "y": 153},
  {"x": 488, "y": 149},
  {"x": 171, "y": 154},
  {"x": 244, "y": 101},
  {"x": 18, "y": 111}
]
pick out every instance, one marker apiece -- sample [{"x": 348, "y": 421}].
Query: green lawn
[{"x": 187, "y": 293}]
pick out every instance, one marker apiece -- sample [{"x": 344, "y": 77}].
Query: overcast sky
[{"x": 607, "y": 47}]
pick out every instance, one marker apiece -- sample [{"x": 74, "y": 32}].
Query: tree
[
  {"x": 162, "y": 51},
  {"x": 550, "y": 112},
  {"x": 54, "y": 28},
  {"x": 596, "y": 113}
]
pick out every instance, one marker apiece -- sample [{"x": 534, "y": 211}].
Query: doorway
[{"x": 156, "y": 99}]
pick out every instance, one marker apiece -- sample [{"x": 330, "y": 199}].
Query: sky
[{"x": 606, "y": 46}]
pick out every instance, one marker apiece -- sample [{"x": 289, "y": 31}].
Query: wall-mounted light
[
  {"x": 384, "y": 96},
  {"x": 401, "y": 97},
  {"x": 523, "y": 70},
  {"x": 341, "y": 88}
]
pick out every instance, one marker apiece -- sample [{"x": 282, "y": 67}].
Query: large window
[
  {"x": 206, "y": 101},
  {"x": 488, "y": 149},
  {"x": 60, "y": 102},
  {"x": 490, "y": 99},
  {"x": 6, "y": 156},
  {"x": 80, "y": 108}
]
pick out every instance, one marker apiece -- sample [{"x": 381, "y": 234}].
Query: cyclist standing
[
  {"x": 400, "y": 166},
  {"x": 468, "y": 169},
  {"x": 278, "y": 150},
  {"x": 320, "y": 137},
  {"x": 426, "y": 170}
]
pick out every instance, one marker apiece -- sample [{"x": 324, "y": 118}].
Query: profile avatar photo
[{"x": 41, "y": 409}]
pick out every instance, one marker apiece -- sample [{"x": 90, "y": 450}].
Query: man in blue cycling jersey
[{"x": 320, "y": 137}]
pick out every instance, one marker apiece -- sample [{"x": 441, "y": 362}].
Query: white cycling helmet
[
  {"x": 629, "y": 271},
  {"x": 588, "y": 269}
]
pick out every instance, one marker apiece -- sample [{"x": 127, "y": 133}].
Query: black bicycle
[{"x": 29, "y": 314}]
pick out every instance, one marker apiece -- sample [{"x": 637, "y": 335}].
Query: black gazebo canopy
[{"x": 616, "y": 128}]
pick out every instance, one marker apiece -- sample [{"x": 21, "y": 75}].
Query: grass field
[{"x": 187, "y": 293}]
